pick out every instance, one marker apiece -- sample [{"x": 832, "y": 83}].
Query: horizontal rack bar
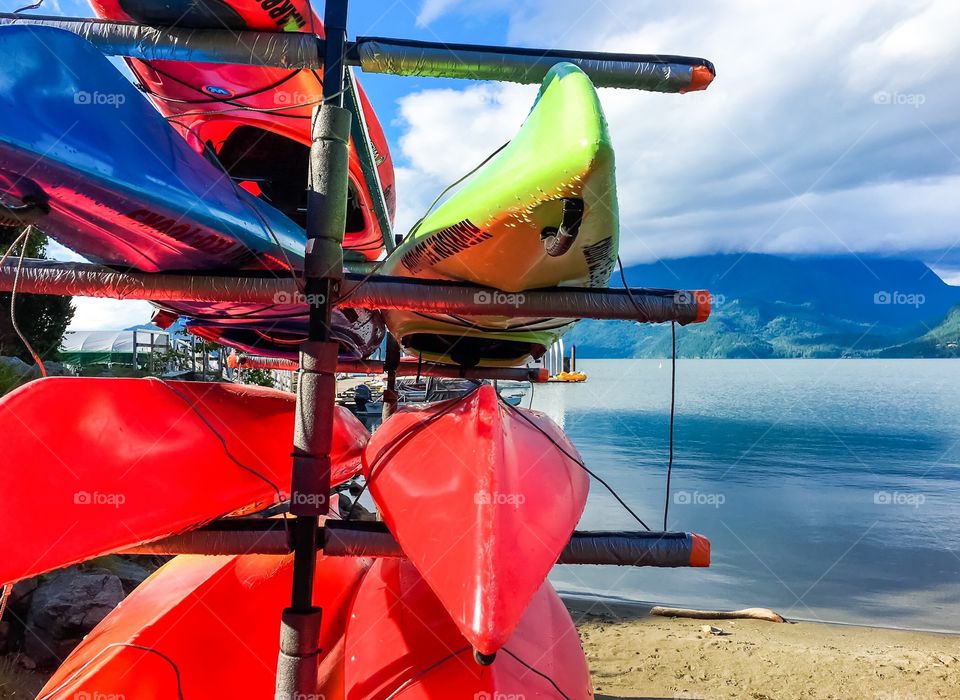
[
  {"x": 405, "y": 369},
  {"x": 338, "y": 538},
  {"x": 377, "y": 292},
  {"x": 292, "y": 50}
]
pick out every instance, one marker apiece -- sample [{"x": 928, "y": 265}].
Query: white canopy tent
[{"x": 82, "y": 348}]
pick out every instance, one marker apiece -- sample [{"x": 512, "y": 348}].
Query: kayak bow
[
  {"x": 482, "y": 499},
  {"x": 121, "y": 462}
]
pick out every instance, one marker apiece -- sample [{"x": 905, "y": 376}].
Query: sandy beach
[{"x": 635, "y": 656}]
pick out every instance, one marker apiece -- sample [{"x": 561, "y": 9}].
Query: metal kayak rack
[{"x": 324, "y": 282}]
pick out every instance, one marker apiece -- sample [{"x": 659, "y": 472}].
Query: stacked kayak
[
  {"x": 158, "y": 457},
  {"x": 482, "y": 498},
  {"x": 89, "y": 160},
  {"x": 255, "y": 119},
  {"x": 399, "y": 627},
  {"x": 541, "y": 213},
  {"x": 480, "y": 520},
  {"x": 206, "y": 627}
]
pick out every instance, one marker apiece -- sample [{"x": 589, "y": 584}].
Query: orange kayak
[
  {"x": 482, "y": 498},
  {"x": 206, "y": 627},
  {"x": 112, "y": 463},
  {"x": 402, "y": 645}
]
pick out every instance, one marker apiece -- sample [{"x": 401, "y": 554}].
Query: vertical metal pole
[
  {"x": 297, "y": 666},
  {"x": 134, "y": 351},
  {"x": 390, "y": 395}
]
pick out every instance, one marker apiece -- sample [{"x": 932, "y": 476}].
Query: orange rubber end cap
[
  {"x": 700, "y": 552},
  {"x": 704, "y": 304},
  {"x": 700, "y": 79}
]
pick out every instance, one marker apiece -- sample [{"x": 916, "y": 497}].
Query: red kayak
[
  {"x": 482, "y": 498},
  {"x": 401, "y": 644},
  {"x": 265, "y": 151},
  {"x": 112, "y": 463},
  {"x": 206, "y": 627}
]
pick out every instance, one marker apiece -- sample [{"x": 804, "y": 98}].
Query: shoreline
[
  {"x": 627, "y": 609},
  {"x": 635, "y": 656}
]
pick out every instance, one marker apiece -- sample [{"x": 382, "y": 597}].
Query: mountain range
[{"x": 768, "y": 306}]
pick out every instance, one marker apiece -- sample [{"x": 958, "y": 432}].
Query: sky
[{"x": 831, "y": 127}]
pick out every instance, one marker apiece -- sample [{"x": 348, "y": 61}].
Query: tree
[
  {"x": 260, "y": 377},
  {"x": 42, "y": 318}
]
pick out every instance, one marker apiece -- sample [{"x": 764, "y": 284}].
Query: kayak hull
[
  {"x": 540, "y": 213},
  {"x": 482, "y": 498},
  {"x": 267, "y": 151},
  {"x": 110, "y": 179},
  {"x": 208, "y": 625},
  {"x": 111, "y": 474},
  {"x": 401, "y": 643}
]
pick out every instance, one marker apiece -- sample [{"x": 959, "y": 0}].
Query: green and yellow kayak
[{"x": 541, "y": 213}]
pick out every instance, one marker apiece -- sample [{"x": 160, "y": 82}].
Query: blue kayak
[{"x": 90, "y": 161}]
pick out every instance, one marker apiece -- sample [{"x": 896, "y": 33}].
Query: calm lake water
[{"x": 828, "y": 488}]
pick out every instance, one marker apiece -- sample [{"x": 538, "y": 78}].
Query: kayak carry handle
[
  {"x": 291, "y": 50},
  {"x": 340, "y": 538},
  {"x": 557, "y": 241}
]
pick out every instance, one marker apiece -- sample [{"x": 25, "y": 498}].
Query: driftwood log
[{"x": 746, "y": 613}]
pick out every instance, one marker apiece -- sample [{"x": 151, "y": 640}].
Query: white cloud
[
  {"x": 100, "y": 314},
  {"x": 431, "y": 10},
  {"x": 830, "y": 126},
  {"x": 108, "y": 314}
]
